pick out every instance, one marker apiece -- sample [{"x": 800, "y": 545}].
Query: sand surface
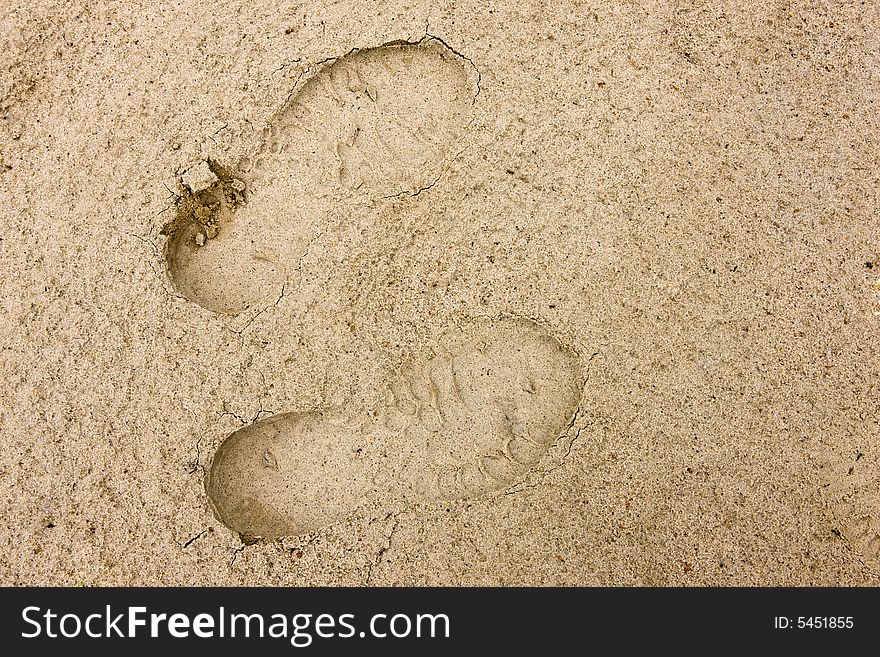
[{"x": 551, "y": 293}]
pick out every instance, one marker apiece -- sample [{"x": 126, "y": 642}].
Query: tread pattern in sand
[
  {"x": 380, "y": 120},
  {"x": 376, "y": 123},
  {"x": 471, "y": 419},
  {"x": 485, "y": 408}
]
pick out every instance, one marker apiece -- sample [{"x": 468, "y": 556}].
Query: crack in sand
[{"x": 382, "y": 550}]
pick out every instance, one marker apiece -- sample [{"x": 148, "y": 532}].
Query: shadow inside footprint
[
  {"x": 212, "y": 259},
  {"x": 288, "y": 474}
]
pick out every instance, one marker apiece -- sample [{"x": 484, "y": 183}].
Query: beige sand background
[{"x": 684, "y": 193}]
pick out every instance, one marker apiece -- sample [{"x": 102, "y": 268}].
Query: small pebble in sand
[{"x": 198, "y": 178}]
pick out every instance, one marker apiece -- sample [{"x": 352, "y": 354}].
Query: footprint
[
  {"x": 374, "y": 124},
  {"x": 851, "y": 485},
  {"x": 470, "y": 420}
]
